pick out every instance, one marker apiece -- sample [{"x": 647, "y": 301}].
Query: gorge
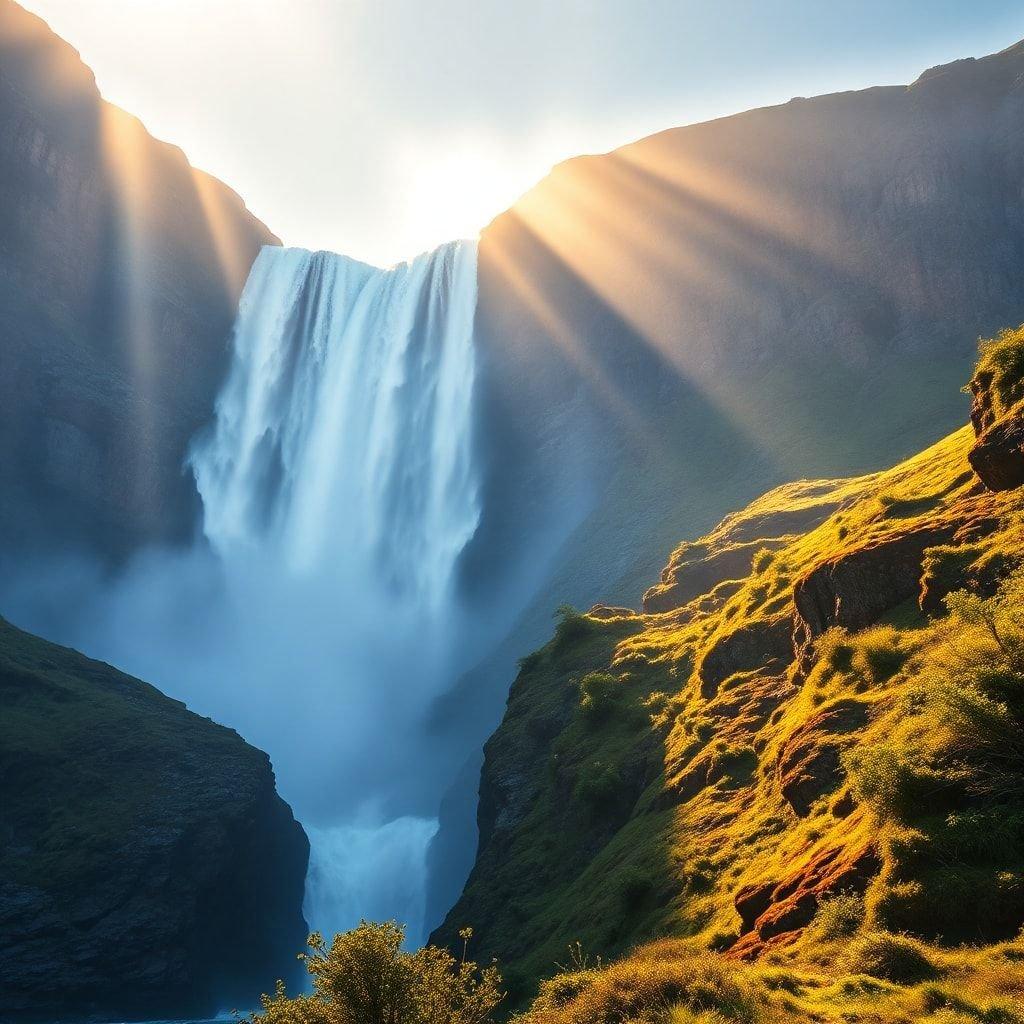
[{"x": 331, "y": 505}]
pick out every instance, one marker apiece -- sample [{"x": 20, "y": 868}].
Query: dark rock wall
[
  {"x": 120, "y": 269},
  {"x": 148, "y": 867}
]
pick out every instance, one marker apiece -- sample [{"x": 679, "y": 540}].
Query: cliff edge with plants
[{"x": 792, "y": 786}]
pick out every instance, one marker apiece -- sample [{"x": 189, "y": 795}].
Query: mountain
[
  {"x": 662, "y": 333},
  {"x": 672, "y": 328},
  {"x": 120, "y": 270},
  {"x": 790, "y": 788},
  {"x": 148, "y": 867}
]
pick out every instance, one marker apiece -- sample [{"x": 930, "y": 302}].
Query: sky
[{"x": 381, "y": 128}]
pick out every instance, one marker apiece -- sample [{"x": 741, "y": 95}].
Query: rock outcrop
[
  {"x": 148, "y": 868},
  {"x": 998, "y": 454},
  {"x": 853, "y": 588},
  {"x": 771, "y": 910},
  {"x": 120, "y": 270}
]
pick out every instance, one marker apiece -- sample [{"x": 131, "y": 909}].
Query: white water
[
  {"x": 343, "y": 434},
  {"x": 320, "y": 616},
  {"x": 340, "y": 473}
]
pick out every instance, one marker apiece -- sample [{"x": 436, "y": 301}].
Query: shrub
[
  {"x": 599, "y": 692},
  {"x": 763, "y": 557},
  {"x": 833, "y": 648},
  {"x": 635, "y": 886},
  {"x": 1003, "y": 358},
  {"x": 650, "y": 983},
  {"x": 572, "y": 625},
  {"x": 878, "y": 654},
  {"x": 895, "y": 958},
  {"x": 365, "y": 977},
  {"x": 880, "y": 777},
  {"x": 598, "y": 785},
  {"x": 840, "y": 916}
]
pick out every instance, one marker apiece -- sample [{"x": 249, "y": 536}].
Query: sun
[{"x": 456, "y": 189}]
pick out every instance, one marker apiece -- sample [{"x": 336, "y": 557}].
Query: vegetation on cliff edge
[{"x": 799, "y": 773}]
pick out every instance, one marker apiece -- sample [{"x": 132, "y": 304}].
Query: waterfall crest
[{"x": 343, "y": 432}]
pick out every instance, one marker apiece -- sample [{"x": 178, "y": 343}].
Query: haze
[{"x": 380, "y": 129}]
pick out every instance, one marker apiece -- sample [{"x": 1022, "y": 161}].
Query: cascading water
[
  {"x": 340, "y": 473},
  {"x": 321, "y": 615},
  {"x": 343, "y": 435}
]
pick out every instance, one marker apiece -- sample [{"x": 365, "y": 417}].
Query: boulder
[{"x": 998, "y": 454}]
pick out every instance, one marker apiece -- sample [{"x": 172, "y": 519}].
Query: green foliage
[
  {"x": 571, "y": 625},
  {"x": 882, "y": 778},
  {"x": 598, "y": 785},
  {"x": 701, "y": 984},
  {"x": 365, "y": 977},
  {"x": 840, "y": 916},
  {"x": 834, "y": 649},
  {"x": 1003, "y": 358},
  {"x": 879, "y": 654},
  {"x": 762, "y": 559},
  {"x": 1000, "y": 618},
  {"x": 530, "y": 662},
  {"x": 599, "y": 692},
  {"x": 895, "y": 958},
  {"x": 635, "y": 886}
]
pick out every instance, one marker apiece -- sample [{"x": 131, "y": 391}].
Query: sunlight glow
[{"x": 381, "y": 130}]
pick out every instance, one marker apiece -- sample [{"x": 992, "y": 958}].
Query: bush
[
  {"x": 634, "y": 888},
  {"x": 598, "y": 785},
  {"x": 599, "y": 692},
  {"x": 833, "y": 648},
  {"x": 1003, "y": 358},
  {"x": 879, "y": 655},
  {"x": 881, "y": 778},
  {"x": 840, "y": 916},
  {"x": 895, "y": 958},
  {"x": 365, "y": 977},
  {"x": 572, "y": 625},
  {"x": 763, "y": 557},
  {"x": 649, "y": 983}
]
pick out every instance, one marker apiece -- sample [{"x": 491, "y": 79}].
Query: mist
[{"x": 319, "y": 611}]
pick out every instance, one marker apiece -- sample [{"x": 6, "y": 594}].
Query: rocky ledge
[{"x": 148, "y": 867}]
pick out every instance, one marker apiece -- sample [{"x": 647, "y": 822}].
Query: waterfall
[
  {"x": 339, "y": 488},
  {"x": 343, "y": 433}
]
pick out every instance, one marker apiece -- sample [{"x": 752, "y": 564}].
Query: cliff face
[
  {"x": 795, "y": 753},
  {"x": 120, "y": 269},
  {"x": 148, "y": 867},
  {"x": 749, "y": 285},
  {"x": 670, "y": 329}
]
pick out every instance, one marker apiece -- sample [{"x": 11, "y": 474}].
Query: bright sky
[{"x": 381, "y": 128}]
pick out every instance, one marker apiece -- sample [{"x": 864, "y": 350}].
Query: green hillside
[{"x": 799, "y": 773}]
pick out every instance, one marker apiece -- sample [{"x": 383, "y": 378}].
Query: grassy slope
[
  {"x": 652, "y": 799},
  {"x": 124, "y": 759}
]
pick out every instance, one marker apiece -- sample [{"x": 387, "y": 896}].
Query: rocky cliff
[
  {"x": 672, "y": 328},
  {"x": 148, "y": 867},
  {"x": 804, "y": 753},
  {"x": 120, "y": 269}
]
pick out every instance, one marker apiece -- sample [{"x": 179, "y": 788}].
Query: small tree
[
  {"x": 365, "y": 977},
  {"x": 1001, "y": 618}
]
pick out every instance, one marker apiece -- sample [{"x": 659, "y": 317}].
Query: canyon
[{"x": 658, "y": 335}]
